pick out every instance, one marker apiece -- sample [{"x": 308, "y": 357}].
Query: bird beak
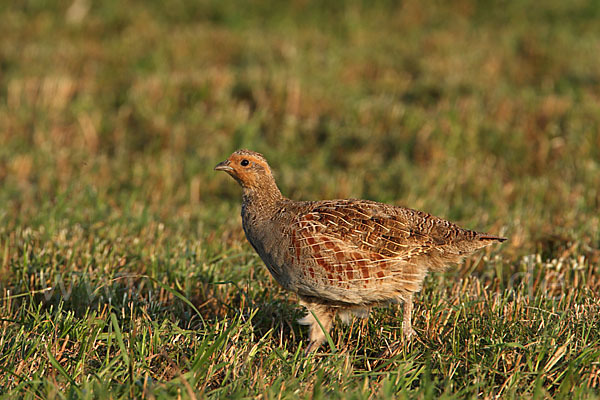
[{"x": 223, "y": 166}]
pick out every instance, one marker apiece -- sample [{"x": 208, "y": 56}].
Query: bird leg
[
  {"x": 317, "y": 313},
  {"x": 407, "y": 329}
]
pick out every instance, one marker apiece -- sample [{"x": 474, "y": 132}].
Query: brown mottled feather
[{"x": 344, "y": 256}]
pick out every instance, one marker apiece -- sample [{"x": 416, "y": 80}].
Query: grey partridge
[{"x": 343, "y": 256}]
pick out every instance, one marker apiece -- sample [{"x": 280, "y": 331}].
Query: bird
[{"x": 343, "y": 257}]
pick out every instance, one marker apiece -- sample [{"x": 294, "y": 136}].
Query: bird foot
[
  {"x": 408, "y": 332},
  {"x": 312, "y": 347}
]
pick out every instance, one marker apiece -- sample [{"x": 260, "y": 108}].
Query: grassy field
[{"x": 124, "y": 271}]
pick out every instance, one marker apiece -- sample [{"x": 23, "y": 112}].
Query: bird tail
[{"x": 486, "y": 237}]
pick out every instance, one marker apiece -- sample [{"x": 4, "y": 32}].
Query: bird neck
[{"x": 262, "y": 197}]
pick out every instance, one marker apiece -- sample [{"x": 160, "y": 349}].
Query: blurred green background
[
  {"x": 113, "y": 115},
  {"x": 483, "y": 112}
]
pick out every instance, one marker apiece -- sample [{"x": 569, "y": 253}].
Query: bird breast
[{"x": 267, "y": 239}]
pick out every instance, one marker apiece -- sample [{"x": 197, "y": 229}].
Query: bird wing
[{"x": 363, "y": 245}]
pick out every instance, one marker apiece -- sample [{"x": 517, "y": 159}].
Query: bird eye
[{"x": 245, "y": 163}]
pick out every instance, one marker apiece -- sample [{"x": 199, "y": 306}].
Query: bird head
[{"x": 247, "y": 167}]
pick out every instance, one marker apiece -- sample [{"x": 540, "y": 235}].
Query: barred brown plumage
[{"x": 343, "y": 256}]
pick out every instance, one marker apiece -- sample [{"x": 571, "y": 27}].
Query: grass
[{"x": 124, "y": 271}]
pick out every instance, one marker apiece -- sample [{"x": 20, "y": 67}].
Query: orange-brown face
[{"x": 246, "y": 167}]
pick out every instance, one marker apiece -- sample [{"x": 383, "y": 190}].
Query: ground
[{"x": 124, "y": 271}]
